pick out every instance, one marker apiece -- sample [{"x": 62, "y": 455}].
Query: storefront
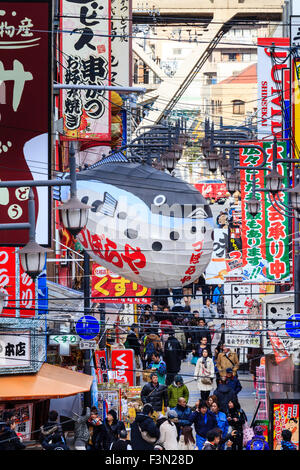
[{"x": 28, "y": 396}]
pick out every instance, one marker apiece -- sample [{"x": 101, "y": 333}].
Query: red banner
[
  {"x": 8, "y": 280},
  {"x": 106, "y": 284},
  {"x": 123, "y": 366},
  {"x": 25, "y": 113}
]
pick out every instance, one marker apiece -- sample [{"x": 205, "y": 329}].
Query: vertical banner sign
[
  {"x": 101, "y": 366},
  {"x": 121, "y": 42},
  {"x": 216, "y": 269},
  {"x": 265, "y": 236},
  {"x": 86, "y": 60},
  {"x": 8, "y": 280},
  {"x": 277, "y": 224},
  {"x": 285, "y": 416},
  {"x": 253, "y": 228},
  {"x": 269, "y": 78},
  {"x": 122, "y": 363},
  {"x": 25, "y": 114},
  {"x": 17, "y": 287}
]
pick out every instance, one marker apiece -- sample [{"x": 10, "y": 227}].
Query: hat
[
  {"x": 258, "y": 430},
  {"x": 211, "y": 323},
  {"x": 178, "y": 378},
  {"x": 171, "y": 414},
  {"x": 229, "y": 370}
]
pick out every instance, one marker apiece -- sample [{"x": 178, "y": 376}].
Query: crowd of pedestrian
[{"x": 161, "y": 340}]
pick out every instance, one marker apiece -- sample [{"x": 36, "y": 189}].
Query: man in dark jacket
[
  {"x": 233, "y": 381},
  {"x": 204, "y": 420},
  {"x": 224, "y": 394},
  {"x": 155, "y": 394},
  {"x": 172, "y": 357},
  {"x": 51, "y": 436},
  {"x": 8, "y": 437},
  {"x": 132, "y": 341},
  {"x": 113, "y": 428},
  {"x": 184, "y": 413},
  {"x": 144, "y": 422}
]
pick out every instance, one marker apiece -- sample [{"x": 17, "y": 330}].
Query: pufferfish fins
[{"x": 106, "y": 207}]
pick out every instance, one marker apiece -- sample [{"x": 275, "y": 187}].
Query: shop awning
[{"x": 49, "y": 382}]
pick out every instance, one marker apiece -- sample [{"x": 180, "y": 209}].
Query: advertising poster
[
  {"x": 23, "y": 416},
  {"x": 241, "y": 308},
  {"x": 86, "y": 60},
  {"x": 25, "y": 146},
  {"x": 107, "y": 284},
  {"x": 101, "y": 366},
  {"x": 277, "y": 314},
  {"x": 285, "y": 416},
  {"x": 121, "y": 29}
]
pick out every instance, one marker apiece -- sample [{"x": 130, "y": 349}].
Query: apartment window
[{"x": 238, "y": 107}]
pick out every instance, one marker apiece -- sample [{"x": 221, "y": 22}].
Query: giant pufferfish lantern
[{"x": 151, "y": 228}]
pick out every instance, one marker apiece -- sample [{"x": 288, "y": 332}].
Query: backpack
[{"x": 257, "y": 444}]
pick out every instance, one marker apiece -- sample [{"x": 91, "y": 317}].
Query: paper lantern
[{"x": 150, "y": 227}]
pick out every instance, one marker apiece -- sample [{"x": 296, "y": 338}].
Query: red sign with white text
[
  {"x": 108, "y": 287},
  {"x": 8, "y": 279},
  {"x": 122, "y": 364},
  {"x": 25, "y": 114}
]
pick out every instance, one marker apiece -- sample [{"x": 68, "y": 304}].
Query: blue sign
[
  {"x": 293, "y": 326},
  {"x": 87, "y": 327}
]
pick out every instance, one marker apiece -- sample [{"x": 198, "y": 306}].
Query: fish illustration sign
[{"x": 152, "y": 228}]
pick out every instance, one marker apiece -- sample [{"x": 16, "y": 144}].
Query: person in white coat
[
  {"x": 204, "y": 374},
  {"x": 168, "y": 432}
]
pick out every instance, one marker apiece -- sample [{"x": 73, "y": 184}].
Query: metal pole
[
  {"x": 296, "y": 380},
  {"x": 86, "y": 296},
  {"x": 31, "y": 215},
  {"x": 120, "y": 89}
]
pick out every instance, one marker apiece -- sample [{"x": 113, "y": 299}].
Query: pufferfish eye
[{"x": 159, "y": 200}]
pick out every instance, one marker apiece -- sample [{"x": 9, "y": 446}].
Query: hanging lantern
[
  {"x": 274, "y": 181},
  {"x": 253, "y": 206}
]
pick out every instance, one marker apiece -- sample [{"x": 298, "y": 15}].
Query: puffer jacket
[
  {"x": 174, "y": 393},
  {"x": 157, "y": 395},
  {"x": 144, "y": 423},
  {"x": 184, "y": 415}
]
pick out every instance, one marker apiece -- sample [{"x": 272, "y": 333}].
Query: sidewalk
[{"x": 246, "y": 396}]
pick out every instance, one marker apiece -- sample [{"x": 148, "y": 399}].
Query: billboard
[
  {"x": 106, "y": 284},
  {"x": 269, "y": 79},
  {"x": 85, "y": 57},
  {"x": 285, "y": 416},
  {"x": 265, "y": 236},
  {"x": 25, "y": 114}
]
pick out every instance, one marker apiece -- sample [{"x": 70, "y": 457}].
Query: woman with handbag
[{"x": 204, "y": 374}]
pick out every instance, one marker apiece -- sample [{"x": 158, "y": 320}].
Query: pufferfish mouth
[{"x": 186, "y": 211}]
